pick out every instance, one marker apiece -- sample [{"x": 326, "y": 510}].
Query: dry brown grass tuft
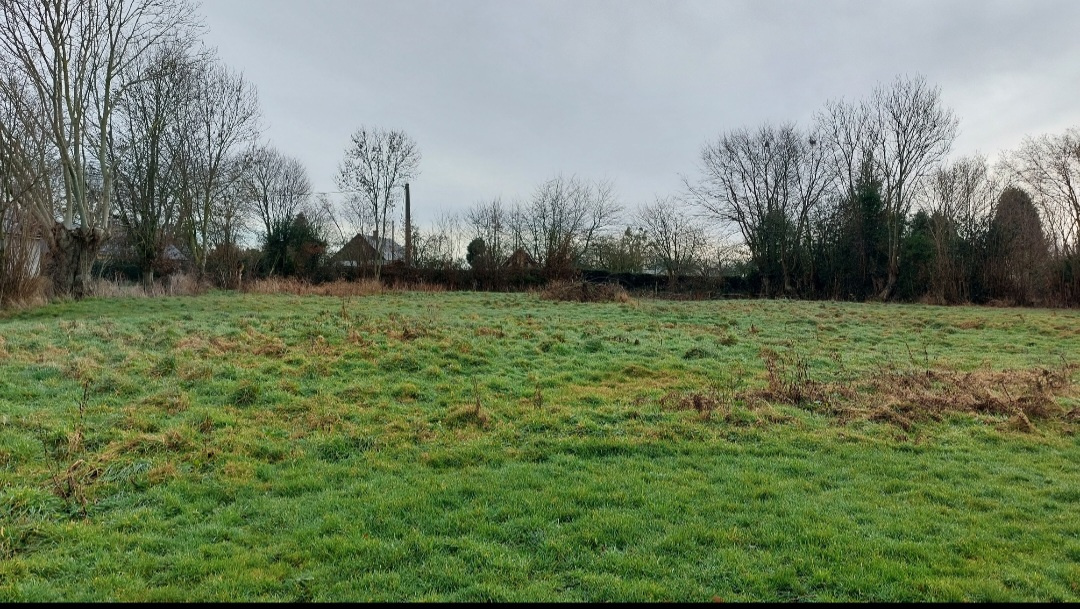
[
  {"x": 583, "y": 291},
  {"x": 1024, "y": 395},
  {"x": 298, "y": 287},
  {"x": 171, "y": 440},
  {"x": 177, "y": 284},
  {"x": 702, "y": 403}
]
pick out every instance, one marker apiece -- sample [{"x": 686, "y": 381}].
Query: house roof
[
  {"x": 172, "y": 252},
  {"x": 520, "y": 258},
  {"x": 388, "y": 250}
]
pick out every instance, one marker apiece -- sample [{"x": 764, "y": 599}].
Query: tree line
[
  {"x": 122, "y": 136},
  {"x": 863, "y": 204}
]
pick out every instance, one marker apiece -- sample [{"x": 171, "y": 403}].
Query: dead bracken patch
[{"x": 905, "y": 397}]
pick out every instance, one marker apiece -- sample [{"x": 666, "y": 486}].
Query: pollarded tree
[{"x": 73, "y": 58}]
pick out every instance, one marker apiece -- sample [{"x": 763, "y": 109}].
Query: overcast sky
[{"x": 502, "y": 95}]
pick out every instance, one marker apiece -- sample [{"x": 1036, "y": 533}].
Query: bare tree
[
  {"x": 845, "y": 132},
  {"x": 562, "y": 221},
  {"x": 73, "y": 56},
  {"x": 145, "y": 152},
  {"x": 1049, "y": 165},
  {"x": 912, "y": 132},
  {"x": 677, "y": 240},
  {"x": 377, "y": 164},
  {"x": 276, "y": 186},
  {"x": 324, "y": 213},
  {"x": 960, "y": 200},
  {"x": 489, "y": 221},
  {"x": 625, "y": 252},
  {"x": 24, "y": 188},
  {"x": 220, "y": 122},
  {"x": 441, "y": 245},
  {"x": 767, "y": 183}
]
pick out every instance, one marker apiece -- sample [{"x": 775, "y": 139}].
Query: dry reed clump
[
  {"x": 298, "y": 287},
  {"x": 790, "y": 382},
  {"x": 419, "y": 286},
  {"x": 583, "y": 291}
]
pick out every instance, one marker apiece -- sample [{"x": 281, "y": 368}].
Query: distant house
[
  {"x": 520, "y": 259},
  {"x": 363, "y": 249},
  {"x": 171, "y": 252}
]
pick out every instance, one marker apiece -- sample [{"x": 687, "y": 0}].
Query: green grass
[{"x": 470, "y": 446}]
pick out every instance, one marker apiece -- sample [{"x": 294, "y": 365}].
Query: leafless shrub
[{"x": 790, "y": 382}]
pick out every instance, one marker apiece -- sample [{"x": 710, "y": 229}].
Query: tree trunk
[
  {"x": 885, "y": 292},
  {"x": 72, "y": 255},
  {"x": 148, "y": 278}
]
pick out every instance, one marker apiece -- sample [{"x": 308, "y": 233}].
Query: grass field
[{"x": 472, "y": 446}]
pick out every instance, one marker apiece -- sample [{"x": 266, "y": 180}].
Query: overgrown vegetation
[
  {"x": 399, "y": 445},
  {"x": 583, "y": 291}
]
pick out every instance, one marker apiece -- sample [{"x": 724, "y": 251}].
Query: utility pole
[{"x": 408, "y": 228}]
